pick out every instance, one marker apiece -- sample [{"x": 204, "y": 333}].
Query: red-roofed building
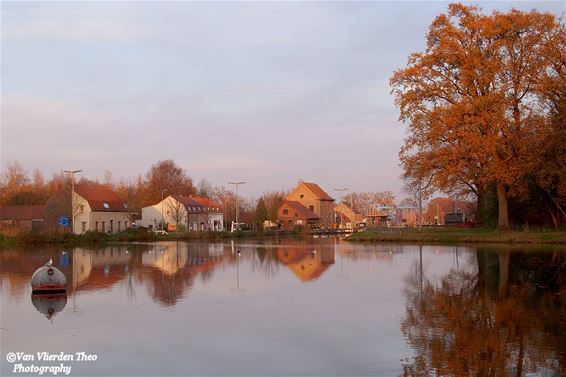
[
  {"x": 214, "y": 212},
  {"x": 98, "y": 208},
  {"x": 292, "y": 213},
  {"x": 21, "y": 216},
  {"x": 316, "y": 200}
]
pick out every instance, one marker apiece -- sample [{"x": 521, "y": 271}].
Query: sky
[{"x": 262, "y": 92}]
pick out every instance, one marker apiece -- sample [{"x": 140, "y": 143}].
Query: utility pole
[
  {"x": 237, "y": 206},
  {"x": 341, "y": 191},
  {"x": 72, "y": 173}
]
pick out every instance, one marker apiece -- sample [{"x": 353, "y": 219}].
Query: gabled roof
[
  {"x": 347, "y": 205},
  {"x": 209, "y": 204},
  {"x": 191, "y": 205},
  {"x": 307, "y": 213},
  {"x": 101, "y": 198},
  {"x": 21, "y": 212},
  {"x": 317, "y": 191}
]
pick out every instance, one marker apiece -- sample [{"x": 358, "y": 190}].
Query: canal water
[{"x": 318, "y": 307}]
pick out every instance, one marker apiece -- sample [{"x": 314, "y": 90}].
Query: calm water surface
[{"x": 311, "y": 307}]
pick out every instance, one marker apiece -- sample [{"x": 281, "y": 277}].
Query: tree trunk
[{"x": 503, "y": 222}]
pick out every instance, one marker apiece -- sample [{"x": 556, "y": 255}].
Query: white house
[{"x": 184, "y": 211}]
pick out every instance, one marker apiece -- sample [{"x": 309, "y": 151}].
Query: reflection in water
[
  {"x": 48, "y": 304},
  {"x": 461, "y": 310},
  {"x": 504, "y": 316}
]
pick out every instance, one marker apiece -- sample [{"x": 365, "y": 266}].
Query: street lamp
[
  {"x": 72, "y": 173},
  {"x": 162, "y": 219},
  {"x": 341, "y": 190},
  {"x": 237, "y": 206}
]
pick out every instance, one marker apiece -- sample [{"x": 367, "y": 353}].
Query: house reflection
[
  {"x": 100, "y": 268},
  {"x": 305, "y": 261}
]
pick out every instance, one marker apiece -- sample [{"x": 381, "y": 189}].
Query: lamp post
[
  {"x": 72, "y": 173},
  {"x": 237, "y": 206},
  {"x": 162, "y": 219},
  {"x": 341, "y": 191}
]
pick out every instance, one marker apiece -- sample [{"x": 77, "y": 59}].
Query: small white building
[
  {"x": 194, "y": 214},
  {"x": 98, "y": 208}
]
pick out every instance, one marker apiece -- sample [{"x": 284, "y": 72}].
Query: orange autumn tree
[{"x": 473, "y": 101}]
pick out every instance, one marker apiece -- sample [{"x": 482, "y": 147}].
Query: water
[{"x": 319, "y": 307}]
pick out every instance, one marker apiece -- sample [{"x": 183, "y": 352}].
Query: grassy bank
[
  {"x": 458, "y": 235},
  {"x": 134, "y": 235}
]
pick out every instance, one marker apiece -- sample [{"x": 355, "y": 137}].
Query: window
[
  {"x": 290, "y": 222},
  {"x": 285, "y": 212},
  {"x": 296, "y": 214},
  {"x": 311, "y": 208},
  {"x": 83, "y": 226},
  {"x": 105, "y": 205},
  {"x": 96, "y": 226},
  {"x": 104, "y": 226},
  {"x": 125, "y": 205},
  {"x": 168, "y": 212},
  {"x": 302, "y": 196},
  {"x": 125, "y": 224},
  {"x": 111, "y": 226},
  {"x": 119, "y": 226},
  {"x": 82, "y": 208}
]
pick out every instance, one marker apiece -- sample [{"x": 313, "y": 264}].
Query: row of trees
[
  {"x": 165, "y": 177},
  {"x": 484, "y": 103}
]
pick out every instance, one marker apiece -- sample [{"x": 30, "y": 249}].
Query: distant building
[
  {"x": 99, "y": 209},
  {"x": 316, "y": 200},
  {"x": 96, "y": 208},
  {"x": 194, "y": 214},
  {"x": 346, "y": 214},
  {"x": 215, "y": 215},
  {"x": 292, "y": 213},
  {"x": 28, "y": 217}
]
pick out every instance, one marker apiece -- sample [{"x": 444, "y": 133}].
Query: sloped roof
[
  {"x": 347, "y": 205},
  {"x": 191, "y": 205},
  {"x": 209, "y": 204},
  {"x": 317, "y": 191},
  {"x": 307, "y": 213},
  {"x": 21, "y": 212},
  {"x": 101, "y": 198}
]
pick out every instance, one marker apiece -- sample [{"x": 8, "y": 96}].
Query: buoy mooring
[{"x": 48, "y": 279}]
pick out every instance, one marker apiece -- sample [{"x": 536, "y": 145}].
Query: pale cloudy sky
[{"x": 262, "y": 92}]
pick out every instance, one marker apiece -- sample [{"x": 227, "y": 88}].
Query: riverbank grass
[{"x": 460, "y": 235}]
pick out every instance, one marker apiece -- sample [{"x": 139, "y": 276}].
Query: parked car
[{"x": 159, "y": 231}]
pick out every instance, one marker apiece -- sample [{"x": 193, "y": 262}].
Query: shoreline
[
  {"x": 94, "y": 238},
  {"x": 461, "y": 236}
]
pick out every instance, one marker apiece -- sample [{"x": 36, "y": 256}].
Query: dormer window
[
  {"x": 302, "y": 196},
  {"x": 82, "y": 208},
  {"x": 125, "y": 205},
  {"x": 105, "y": 205}
]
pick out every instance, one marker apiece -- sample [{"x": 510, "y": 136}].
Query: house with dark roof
[
  {"x": 215, "y": 214},
  {"x": 29, "y": 217},
  {"x": 316, "y": 200},
  {"x": 178, "y": 211},
  {"x": 292, "y": 213}
]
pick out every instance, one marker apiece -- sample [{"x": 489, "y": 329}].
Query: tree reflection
[{"x": 505, "y": 317}]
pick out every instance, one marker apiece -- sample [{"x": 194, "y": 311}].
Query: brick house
[
  {"x": 292, "y": 213},
  {"x": 316, "y": 200}
]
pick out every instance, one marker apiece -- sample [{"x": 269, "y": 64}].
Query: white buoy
[{"x": 48, "y": 279}]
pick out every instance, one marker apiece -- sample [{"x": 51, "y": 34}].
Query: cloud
[{"x": 80, "y": 22}]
